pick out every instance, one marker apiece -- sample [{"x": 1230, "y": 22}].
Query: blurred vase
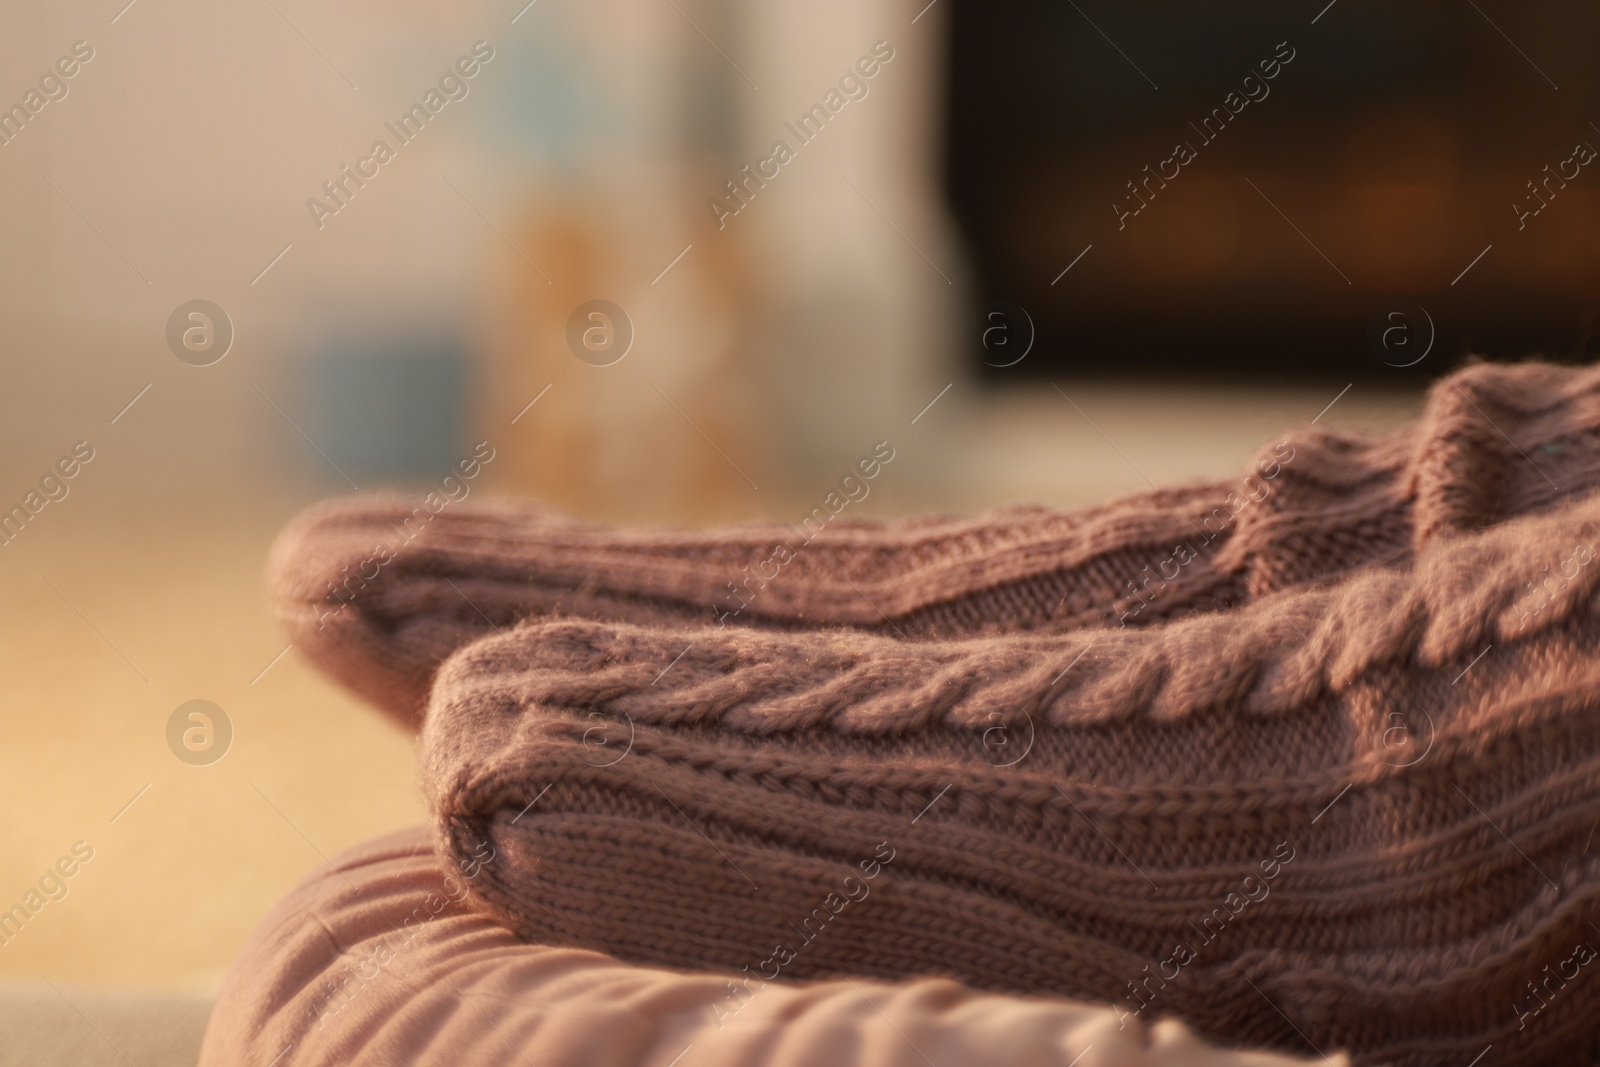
[
  {"x": 648, "y": 411},
  {"x": 767, "y": 347}
]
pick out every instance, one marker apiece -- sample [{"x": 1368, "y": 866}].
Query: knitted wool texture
[
  {"x": 378, "y": 592},
  {"x": 1347, "y": 817}
]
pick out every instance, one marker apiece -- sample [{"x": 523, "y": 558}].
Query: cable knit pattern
[
  {"x": 1350, "y": 815},
  {"x": 378, "y": 591}
]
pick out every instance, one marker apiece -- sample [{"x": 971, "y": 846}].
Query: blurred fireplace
[{"x": 1397, "y": 140}]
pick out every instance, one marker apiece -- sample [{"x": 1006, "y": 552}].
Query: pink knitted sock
[
  {"x": 1345, "y": 817},
  {"x": 378, "y": 592}
]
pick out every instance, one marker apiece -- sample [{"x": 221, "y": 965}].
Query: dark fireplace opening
[{"x": 1278, "y": 192}]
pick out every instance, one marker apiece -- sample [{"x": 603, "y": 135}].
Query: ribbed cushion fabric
[
  {"x": 378, "y": 591},
  {"x": 1350, "y": 815}
]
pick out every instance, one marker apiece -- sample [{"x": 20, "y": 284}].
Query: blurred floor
[
  {"x": 143, "y": 590},
  {"x": 65, "y": 1027},
  {"x": 120, "y": 609}
]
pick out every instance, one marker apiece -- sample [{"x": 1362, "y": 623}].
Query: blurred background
[{"x": 674, "y": 261}]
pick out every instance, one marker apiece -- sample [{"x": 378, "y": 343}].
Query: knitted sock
[
  {"x": 1349, "y": 817},
  {"x": 378, "y": 592}
]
